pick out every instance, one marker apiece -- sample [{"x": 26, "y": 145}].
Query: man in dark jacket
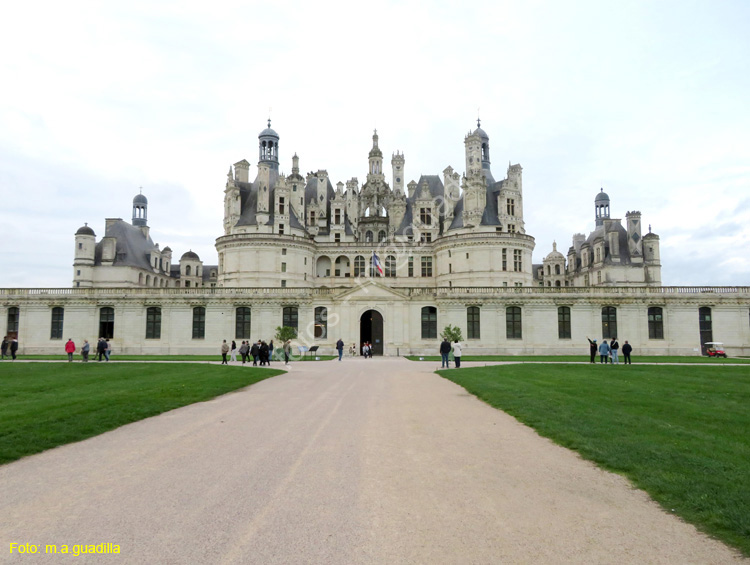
[
  {"x": 445, "y": 349},
  {"x": 592, "y": 350},
  {"x": 340, "y": 347},
  {"x": 101, "y": 347},
  {"x": 626, "y": 350},
  {"x": 255, "y": 351},
  {"x": 13, "y": 348}
]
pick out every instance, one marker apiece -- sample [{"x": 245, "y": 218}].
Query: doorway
[{"x": 371, "y": 329}]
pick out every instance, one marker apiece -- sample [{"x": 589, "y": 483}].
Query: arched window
[
  {"x": 390, "y": 266},
  {"x": 472, "y": 323},
  {"x": 548, "y": 270},
  {"x": 187, "y": 271},
  {"x": 199, "y": 322},
  {"x": 429, "y": 322},
  {"x": 563, "y": 322},
  {"x": 557, "y": 269},
  {"x": 107, "y": 322},
  {"x": 140, "y": 278},
  {"x": 368, "y": 236},
  {"x": 153, "y": 323},
  {"x": 321, "y": 322},
  {"x": 56, "y": 331},
  {"x": 381, "y": 236},
  {"x": 148, "y": 280},
  {"x": 557, "y": 283},
  {"x": 359, "y": 266},
  {"x": 242, "y": 323},
  {"x": 290, "y": 317},
  {"x": 513, "y": 329},
  {"x": 609, "y": 322},
  {"x": 655, "y": 323}
]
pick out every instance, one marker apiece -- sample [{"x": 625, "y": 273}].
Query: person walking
[
  {"x": 101, "y": 347},
  {"x": 365, "y": 350},
  {"x": 614, "y": 350},
  {"x": 287, "y": 351},
  {"x": 592, "y": 350},
  {"x": 107, "y": 349},
  {"x": 85, "y": 351},
  {"x": 626, "y": 350},
  {"x": 340, "y": 347},
  {"x": 224, "y": 351},
  {"x": 445, "y": 349},
  {"x": 244, "y": 350},
  {"x": 70, "y": 348},
  {"x": 457, "y": 354},
  {"x": 270, "y": 352},
  {"x": 4, "y": 347},
  {"x": 255, "y": 351},
  {"x": 13, "y": 348},
  {"x": 263, "y": 353},
  {"x": 233, "y": 354},
  {"x": 604, "y": 352}
]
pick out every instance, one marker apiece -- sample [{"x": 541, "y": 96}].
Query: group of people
[
  {"x": 367, "y": 350},
  {"x": 103, "y": 349},
  {"x": 260, "y": 351},
  {"x": 445, "y": 350},
  {"x": 9, "y": 345},
  {"x": 610, "y": 352}
]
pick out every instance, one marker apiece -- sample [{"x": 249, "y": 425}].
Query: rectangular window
[
  {"x": 426, "y": 266},
  {"x": 472, "y": 322},
  {"x": 337, "y": 217},
  {"x": 283, "y": 267},
  {"x": 283, "y": 250},
  {"x": 337, "y": 238},
  {"x": 199, "y": 322},
  {"x": 242, "y": 323},
  {"x": 429, "y": 322},
  {"x": 411, "y": 266},
  {"x": 585, "y": 280},
  {"x": 511, "y": 228},
  {"x": 56, "y": 331},
  {"x": 107, "y": 323},
  {"x": 281, "y": 205},
  {"x": 425, "y": 216},
  {"x": 511, "y": 207},
  {"x": 655, "y": 323},
  {"x": 505, "y": 259},
  {"x": 289, "y": 317},
  {"x": 513, "y": 322},
  {"x": 281, "y": 229},
  {"x": 321, "y": 322},
  {"x": 283, "y": 282},
  {"x": 517, "y": 265},
  {"x": 390, "y": 266},
  {"x": 609, "y": 322},
  {"x": 153, "y": 323},
  {"x": 563, "y": 322}
]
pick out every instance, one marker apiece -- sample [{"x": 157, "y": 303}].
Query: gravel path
[{"x": 361, "y": 461}]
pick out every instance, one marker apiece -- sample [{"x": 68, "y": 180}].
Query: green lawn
[
  {"x": 680, "y": 433},
  {"x": 585, "y": 359},
  {"x": 43, "y": 405},
  {"x": 175, "y": 358}
]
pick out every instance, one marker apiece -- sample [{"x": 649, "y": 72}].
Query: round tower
[
  {"x": 191, "y": 269},
  {"x": 485, "y": 139},
  {"x": 84, "y": 258},
  {"x": 268, "y": 147},
  {"x": 652, "y": 258},
  {"x": 601, "y": 207},
  {"x": 140, "y": 210}
]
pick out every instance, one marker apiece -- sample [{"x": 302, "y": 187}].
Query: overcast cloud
[{"x": 645, "y": 99}]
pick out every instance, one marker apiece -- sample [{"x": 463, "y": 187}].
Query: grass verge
[
  {"x": 682, "y": 434},
  {"x": 175, "y": 358},
  {"x": 585, "y": 359},
  {"x": 46, "y": 405}
]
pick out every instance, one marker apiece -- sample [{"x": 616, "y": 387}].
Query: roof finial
[
  {"x": 649, "y": 228},
  {"x": 140, "y": 188}
]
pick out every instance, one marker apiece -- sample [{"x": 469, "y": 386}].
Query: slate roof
[{"x": 132, "y": 248}]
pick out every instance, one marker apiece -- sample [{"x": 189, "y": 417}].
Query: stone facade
[{"x": 388, "y": 263}]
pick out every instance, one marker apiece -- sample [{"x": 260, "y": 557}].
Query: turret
[
  {"x": 191, "y": 270},
  {"x": 85, "y": 254},
  {"x": 397, "y": 162},
  {"x": 652, "y": 258},
  {"x": 475, "y": 188},
  {"x": 268, "y": 147},
  {"x": 232, "y": 201},
  {"x": 635, "y": 244},
  {"x": 601, "y": 207},
  {"x": 375, "y": 159}
]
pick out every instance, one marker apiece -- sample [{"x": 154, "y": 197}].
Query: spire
[
  {"x": 375, "y": 139},
  {"x": 230, "y": 176}
]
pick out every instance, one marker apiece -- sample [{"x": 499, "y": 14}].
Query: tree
[
  {"x": 284, "y": 333},
  {"x": 453, "y": 333}
]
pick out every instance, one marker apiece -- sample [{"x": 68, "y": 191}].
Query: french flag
[{"x": 376, "y": 263}]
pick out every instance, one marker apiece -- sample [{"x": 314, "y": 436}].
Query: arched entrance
[{"x": 371, "y": 329}]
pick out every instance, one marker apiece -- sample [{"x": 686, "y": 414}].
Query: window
[
  {"x": 187, "y": 273},
  {"x": 337, "y": 238},
  {"x": 411, "y": 266},
  {"x": 283, "y": 250},
  {"x": 281, "y": 205},
  {"x": 505, "y": 259},
  {"x": 585, "y": 280},
  {"x": 599, "y": 277},
  {"x": 56, "y": 331},
  {"x": 107, "y": 323},
  {"x": 283, "y": 267},
  {"x": 368, "y": 236},
  {"x": 337, "y": 217},
  {"x": 312, "y": 217},
  {"x": 563, "y": 322},
  {"x": 187, "y": 283},
  {"x": 429, "y": 322},
  {"x": 281, "y": 229},
  {"x": 242, "y": 318},
  {"x": 511, "y": 228},
  {"x": 381, "y": 236},
  {"x": 472, "y": 322},
  {"x": 513, "y": 322},
  {"x": 426, "y": 266},
  {"x": 153, "y": 323},
  {"x": 199, "y": 322},
  {"x": 80, "y": 246},
  {"x": 78, "y": 272},
  {"x": 557, "y": 269},
  {"x": 517, "y": 266},
  {"x": 359, "y": 266},
  {"x": 390, "y": 266},
  {"x": 425, "y": 216},
  {"x": 425, "y": 237},
  {"x": 609, "y": 322},
  {"x": 655, "y": 323},
  {"x": 283, "y": 282},
  {"x": 289, "y": 317},
  {"x": 511, "y": 207},
  {"x": 705, "y": 326},
  {"x": 321, "y": 322}
]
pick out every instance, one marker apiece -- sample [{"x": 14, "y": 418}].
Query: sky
[{"x": 647, "y": 100}]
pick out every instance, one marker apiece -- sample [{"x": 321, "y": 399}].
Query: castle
[{"x": 391, "y": 264}]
